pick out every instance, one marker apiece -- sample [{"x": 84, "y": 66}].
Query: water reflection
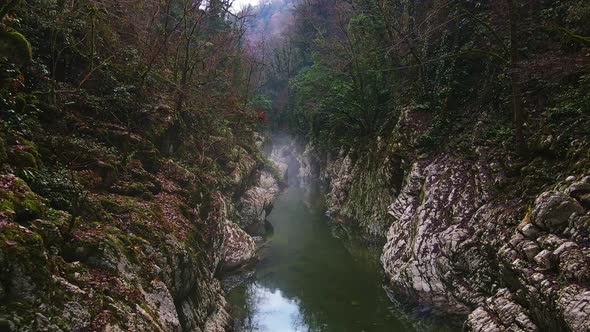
[{"x": 270, "y": 311}]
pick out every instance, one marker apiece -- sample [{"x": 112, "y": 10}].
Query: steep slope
[
  {"x": 140, "y": 252},
  {"x": 455, "y": 133},
  {"x": 124, "y": 171},
  {"x": 460, "y": 239}
]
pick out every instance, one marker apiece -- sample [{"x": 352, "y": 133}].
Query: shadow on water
[{"x": 311, "y": 280}]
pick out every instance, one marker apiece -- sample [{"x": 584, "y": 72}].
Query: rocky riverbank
[
  {"x": 252, "y": 208},
  {"x": 138, "y": 260},
  {"x": 457, "y": 240}
]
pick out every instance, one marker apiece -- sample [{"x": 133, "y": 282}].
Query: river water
[{"x": 313, "y": 278}]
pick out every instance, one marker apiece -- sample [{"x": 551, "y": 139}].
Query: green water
[{"x": 311, "y": 280}]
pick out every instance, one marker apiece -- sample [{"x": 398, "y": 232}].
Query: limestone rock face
[
  {"x": 280, "y": 158},
  {"x": 456, "y": 244},
  {"x": 308, "y": 165},
  {"x": 434, "y": 252},
  {"x": 238, "y": 248},
  {"x": 359, "y": 192},
  {"x": 257, "y": 202},
  {"x": 115, "y": 280},
  {"x": 574, "y": 303},
  {"x": 247, "y": 217},
  {"x": 161, "y": 302},
  {"x": 503, "y": 306},
  {"x": 340, "y": 171}
]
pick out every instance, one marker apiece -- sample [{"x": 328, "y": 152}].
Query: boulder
[
  {"x": 579, "y": 188},
  {"x": 257, "y": 202},
  {"x": 543, "y": 259},
  {"x": 553, "y": 209},
  {"x": 530, "y": 249},
  {"x": 238, "y": 247},
  {"x": 530, "y": 230}
]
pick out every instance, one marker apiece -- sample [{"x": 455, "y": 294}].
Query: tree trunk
[{"x": 517, "y": 109}]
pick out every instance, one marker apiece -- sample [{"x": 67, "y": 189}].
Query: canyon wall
[{"x": 460, "y": 240}]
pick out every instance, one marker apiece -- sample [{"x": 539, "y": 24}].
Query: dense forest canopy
[
  {"x": 331, "y": 68},
  {"x": 355, "y": 68},
  {"x": 112, "y": 61}
]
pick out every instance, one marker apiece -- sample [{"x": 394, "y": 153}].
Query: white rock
[
  {"x": 238, "y": 247},
  {"x": 543, "y": 259}
]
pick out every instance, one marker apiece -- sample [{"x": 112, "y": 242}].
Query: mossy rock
[
  {"x": 154, "y": 187},
  {"x": 24, "y": 155},
  {"x": 80, "y": 251},
  {"x": 150, "y": 159},
  {"x": 114, "y": 207},
  {"x": 53, "y": 227},
  {"x": 23, "y": 159},
  {"x": 15, "y": 47},
  {"x": 31, "y": 207},
  {"x": 99, "y": 249},
  {"x": 24, "y": 264},
  {"x": 134, "y": 189},
  {"x": 108, "y": 173},
  {"x": 18, "y": 202},
  {"x": 140, "y": 190}
]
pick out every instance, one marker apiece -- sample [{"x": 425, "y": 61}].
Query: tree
[{"x": 517, "y": 109}]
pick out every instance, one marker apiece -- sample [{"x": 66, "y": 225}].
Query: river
[{"x": 313, "y": 278}]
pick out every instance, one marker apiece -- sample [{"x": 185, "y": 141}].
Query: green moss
[
  {"x": 139, "y": 189},
  {"x": 31, "y": 207},
  {"x": 23, "y": 159},
  {"x": 113, "y": 207},
  {"x": 108, "y": 173},
  {"x": 117, "y": 240},
  {"x": 15, "y": 46},
  {"x": 422, "y": 193},
  {"x": 25, "y": 155},
  {"x": 368, "y": 198},
  {"x": 60, "y": 219},
  {"x": 25, "y": 204},
  {"x": 23, "y": 251},
  {"x": 6, "y": 206}
]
